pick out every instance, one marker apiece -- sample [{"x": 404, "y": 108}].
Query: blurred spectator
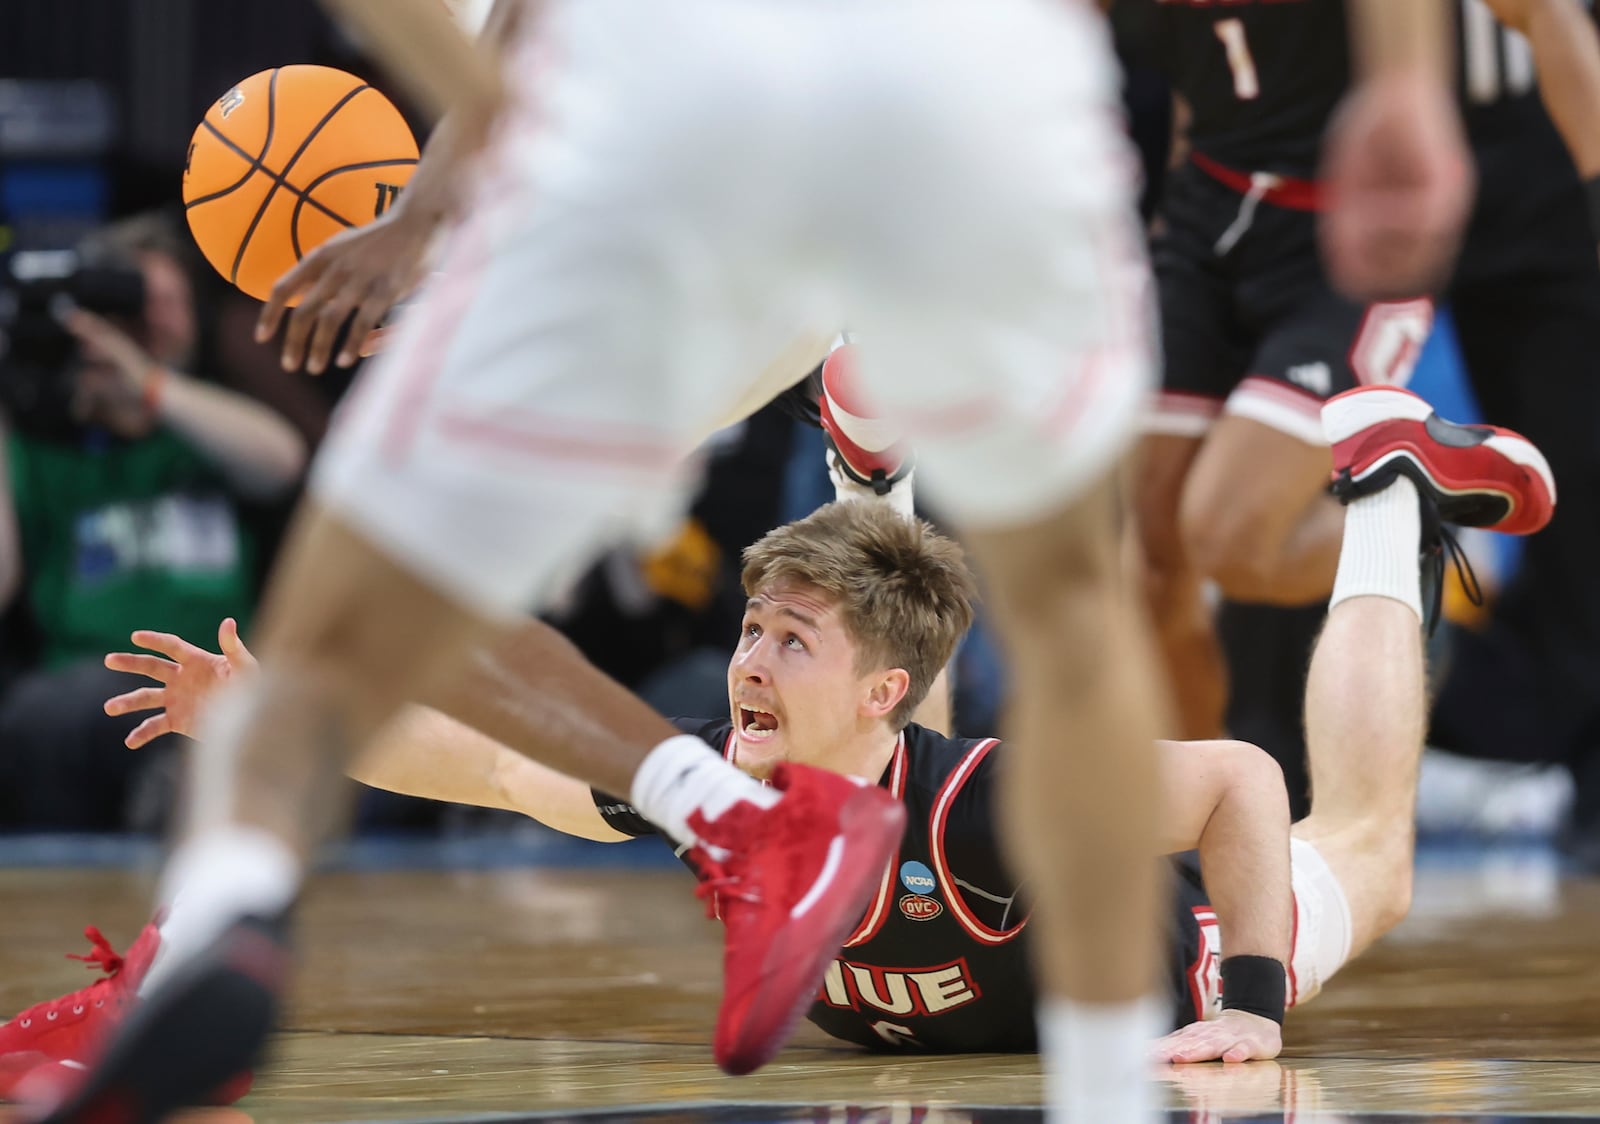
[{"x": 125, "y": 477}]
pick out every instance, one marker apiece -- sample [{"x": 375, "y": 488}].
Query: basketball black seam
[
  {"x": 266, "y": 145},
  {"x": 271, "y": 175},
  {"x": 305, "y": 196},
  {"x": 238, "y": 258}
]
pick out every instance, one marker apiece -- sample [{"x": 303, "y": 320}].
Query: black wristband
[
  {"x": 1256, "y": 984},
  {"x": 1591, "y": 196}
]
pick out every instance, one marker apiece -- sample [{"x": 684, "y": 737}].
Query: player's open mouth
[{"x": 757, "y": 725}]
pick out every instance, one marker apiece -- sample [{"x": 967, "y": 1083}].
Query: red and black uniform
[
  {"x": 1526, "y": 304},
  {"x": 940, "y": 961},
  {"x": 1248, "y": 318}
]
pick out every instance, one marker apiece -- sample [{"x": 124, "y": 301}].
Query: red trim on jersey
[
  {"x": 1188, "y": 404},
  {"x": 728, "y": 746},
  {"x": 444, "y": 309},
  {"x": 879, "y": 911},
  {"x": 1288, "y": 192},
  {"x": 446, "y": 306},
  {"x": 1064, "y": 418},
  {"x": 1204, "y": 916},
  {"x": 941, "y": 810},
  {"x": 556, "y": 443},
  {"x": 1294, "y": 946},
  {"x": 1125, "y": 318}
]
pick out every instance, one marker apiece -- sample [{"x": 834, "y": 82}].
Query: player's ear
[{"x": 887, "y": 692}]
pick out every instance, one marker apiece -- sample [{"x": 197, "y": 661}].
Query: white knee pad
[{"x": 1322, "y": 927}]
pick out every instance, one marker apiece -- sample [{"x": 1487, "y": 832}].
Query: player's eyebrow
[{"x": 763, "y": 603}]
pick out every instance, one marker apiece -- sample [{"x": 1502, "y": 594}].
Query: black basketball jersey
[
  {"x": 1261, "y": 77},
  {"x": 1496, "y": 63},
  {"x": 1529, "y": 217},
  {"x": 939, "y": 963}
]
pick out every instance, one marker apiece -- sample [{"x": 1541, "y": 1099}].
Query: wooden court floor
[{"x": 548, "y": 993}]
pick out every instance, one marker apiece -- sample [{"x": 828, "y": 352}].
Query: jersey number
[{"x": 1246, "y": 86}]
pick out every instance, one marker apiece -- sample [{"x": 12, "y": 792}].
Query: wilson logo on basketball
[
  {"x": 387, "y": 194},
  {"x": 918, "y": 908},
  {"x": 230, "y": 101}
]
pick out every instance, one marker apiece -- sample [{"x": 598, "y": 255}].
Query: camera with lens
[{"x": 39, "y": 358}]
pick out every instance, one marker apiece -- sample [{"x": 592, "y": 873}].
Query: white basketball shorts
[{"x": 686, "y": 190}]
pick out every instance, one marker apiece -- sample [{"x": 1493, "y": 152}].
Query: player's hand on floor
[
  {"x": 1233, "y": 1036},
  {"x": 188, "y": 675},
  {"x": 364, "y": 270}
]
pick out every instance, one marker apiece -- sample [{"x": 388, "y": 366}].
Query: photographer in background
[{"x": 121, "y": 507}]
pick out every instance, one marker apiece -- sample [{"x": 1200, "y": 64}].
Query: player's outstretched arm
[
  {"x": 420, "y": 753},
  {"x": 429, "y": 53},
  {"x": 1566, "y": 50},
  {"x": 187, "y": 674},
  {"x": 1227, "y": 800},
  {"x": 367, "y": 269},
  {"x": 423, "y": 752}
]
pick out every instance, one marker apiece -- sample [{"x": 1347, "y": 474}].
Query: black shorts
[
  {"x": 1250, "y": 323},
  {"x": 1193, "y": 946}
]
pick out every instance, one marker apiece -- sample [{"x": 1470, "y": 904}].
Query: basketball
[{"x": 285, "y": 160}]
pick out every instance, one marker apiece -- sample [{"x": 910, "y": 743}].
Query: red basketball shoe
[
  {"x": 1476, "y": 475},
  {"x": 1470, "y": 475},
  {"x": 68, "y": 1028},
  {"x": 796, "y": 880},
  {"x": 190, "y": 1041}
]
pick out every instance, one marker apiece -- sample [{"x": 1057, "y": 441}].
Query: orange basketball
[{"x": 284, "y": 161}]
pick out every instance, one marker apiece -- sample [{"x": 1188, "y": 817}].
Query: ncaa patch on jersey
[
  {"x": 919, "y": 908},
  {"x": 917, "y": 878}
]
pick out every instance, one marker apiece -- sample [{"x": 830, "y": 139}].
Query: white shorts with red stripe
[{"x": 684, "y": 187}]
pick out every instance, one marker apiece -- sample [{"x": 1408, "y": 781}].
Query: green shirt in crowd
[{"x": 120, "y": 535}]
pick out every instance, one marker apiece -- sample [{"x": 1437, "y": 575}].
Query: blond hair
[{"x": 903, "y": 590}]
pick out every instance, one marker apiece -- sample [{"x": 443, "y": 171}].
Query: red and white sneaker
[
  {"x": 1476, "y": 475},
  {"x": 797, "y": 879},
  {"x": 864, "y": 449},
  {"x": 44, "y": 1050},
  {"x": 69, "y": 1028}
]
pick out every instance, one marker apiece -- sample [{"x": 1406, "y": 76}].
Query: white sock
[
  {"x": 213, "y": 879},
  {"x": 1096, "y": 1060},
  {"x": 1382, "y": 534},
  {"x": 901, "y": 497},
  {"x": 682, "y": 776}
]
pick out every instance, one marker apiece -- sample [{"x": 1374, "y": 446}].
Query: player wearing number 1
[{"x": 1256, "y": 336}]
